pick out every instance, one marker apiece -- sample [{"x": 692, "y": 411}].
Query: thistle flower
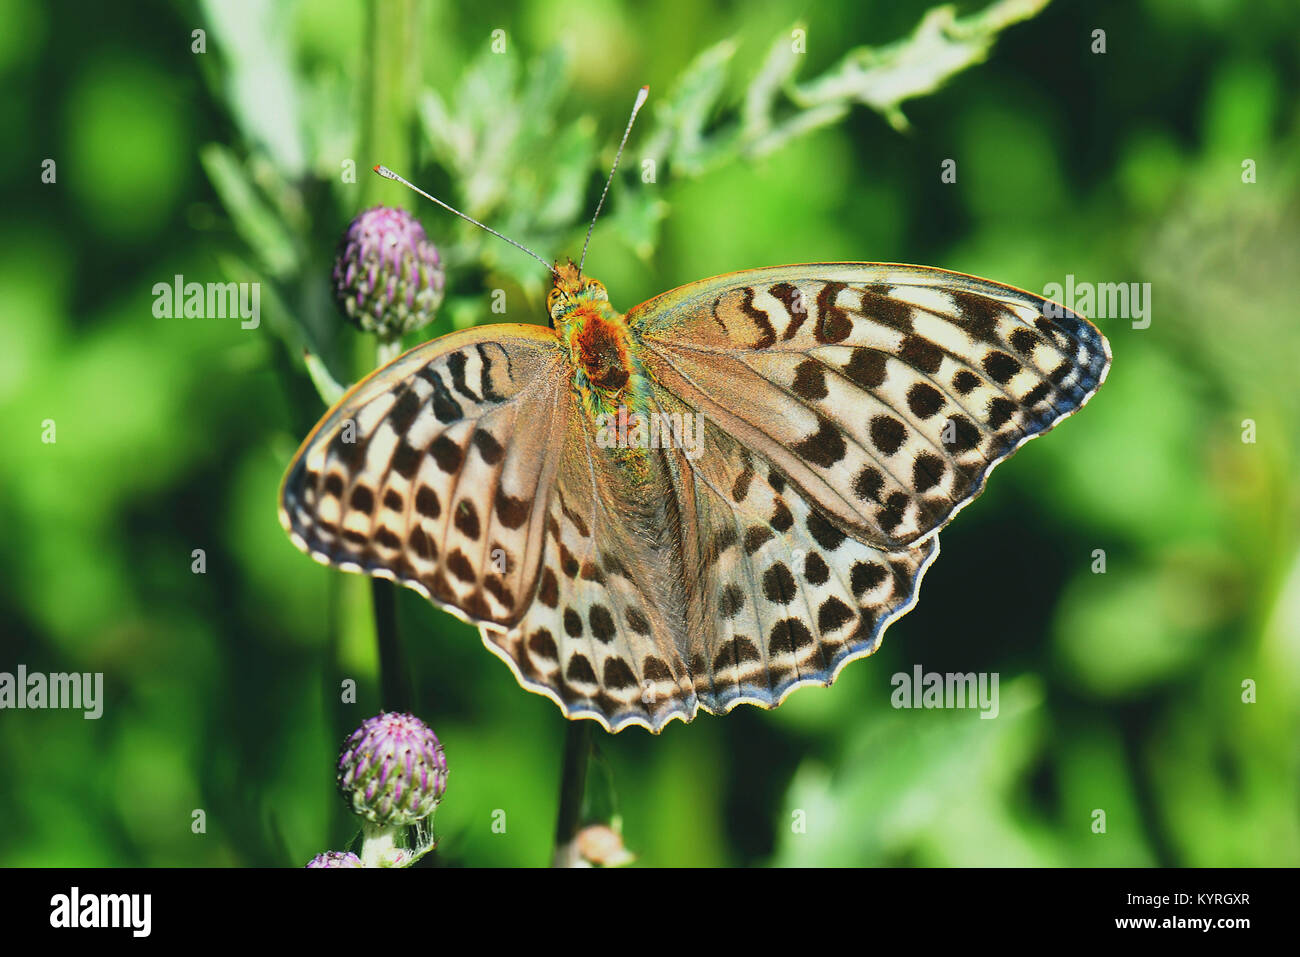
[
  {"x": 392, "y": 770},
  {"x": 335, "y": 859},
  {"x": 388, "y": 278}
]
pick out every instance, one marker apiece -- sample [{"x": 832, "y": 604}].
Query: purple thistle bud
[
  {"x": 392, "y": 769},
  {"x": 388, "y": 278},
  {"x": 335, "y": 859}
]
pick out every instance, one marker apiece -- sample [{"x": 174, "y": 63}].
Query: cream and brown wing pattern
[
  {"x": 603, "y": 638},
  {"x": 848, "y": 412},
  {"x": 887, "y": 393},
  {"x": 779, "y": 596},
  {"x": 436, "y": 471},
  {"x": 467, "y": 471},
  {"x": 678, "y": 584}
]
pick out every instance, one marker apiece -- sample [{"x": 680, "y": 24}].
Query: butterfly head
[
  {"x": 595, "y": 334},
  {"x": 573, "y": 292}
]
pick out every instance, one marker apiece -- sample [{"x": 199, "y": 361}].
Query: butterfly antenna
[
  {"x": 387, "y": 173},
  {"x": 636, "y": 108}
]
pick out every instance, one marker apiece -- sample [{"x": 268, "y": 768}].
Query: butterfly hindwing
[
  {"x": 885, "y": 392},
  {"x": 602, "y": 638},
  {"x": 435, "y": 471},
  {"x": 685, "y": 581},
  {"x": 785, "y": 598}
]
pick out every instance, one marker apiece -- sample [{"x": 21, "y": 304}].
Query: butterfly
[{"x": 725, "y": 494}]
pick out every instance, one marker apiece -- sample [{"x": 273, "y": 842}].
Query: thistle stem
[
  {"x": 394, "y": 689},
  {"x": 377, "y": 842},
  {"x": 391, "y": 83},
  {"x": 391, "y": 79},
  {"x": 573, "y": 786}
]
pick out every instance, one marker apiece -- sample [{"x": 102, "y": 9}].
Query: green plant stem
[
  {"x": 573, "y": 786},
  {"x": 377, "y": 843},
  {"x": 394, "y": 684},
  {"x": 391, "y": 84},
  {"x": 394, "y": 688}
]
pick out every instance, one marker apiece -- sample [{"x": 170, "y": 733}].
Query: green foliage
[
  {"x": 516, "y": 157},
  {"x": 940, "y": 48},
  {"x": 1121, "y": 691}
]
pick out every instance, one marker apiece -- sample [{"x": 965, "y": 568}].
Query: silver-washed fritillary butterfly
[{"x": 722, "y": 495}]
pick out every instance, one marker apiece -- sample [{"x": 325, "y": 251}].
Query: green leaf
[
  {"x": 683, "y": 116},
  {"x": 760, "y": 99},
  {"x": 252, "y": 37},
  {"x": 636, "y": 219},
  {"x": 256, "y": 223},
  {"x": 940, "y": 47},
  {"x": 560, "y": 203}
]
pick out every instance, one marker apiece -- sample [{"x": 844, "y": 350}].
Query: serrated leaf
[
  {"x": 681, "y": 118},
  {"x": 760, "y": 99},
  {"x": 275, "y": 313},
  {"x": 801, "y": 124},
  {"x": 882, "y": 78}
]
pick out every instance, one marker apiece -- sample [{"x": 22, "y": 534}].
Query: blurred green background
[{"x": 1121, "y": 691}]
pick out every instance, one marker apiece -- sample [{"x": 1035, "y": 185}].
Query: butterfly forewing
[
  {"x": 436, "y": 472},
  {"x": 886, "y": 393}
]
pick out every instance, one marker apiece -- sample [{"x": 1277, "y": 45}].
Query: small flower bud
[
  {"x": 335, "y": 859},
  {"x": 388, "y": 278},
  {"x": 392, "y": 770}
]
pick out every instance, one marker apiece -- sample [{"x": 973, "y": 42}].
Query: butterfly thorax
[{"x": 597, "y": 338}]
